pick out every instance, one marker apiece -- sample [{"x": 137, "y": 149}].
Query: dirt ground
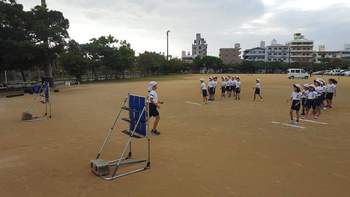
[{"x": 225, "y": 148}]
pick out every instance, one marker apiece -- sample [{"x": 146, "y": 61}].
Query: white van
[{"x": 297, "y": 73}]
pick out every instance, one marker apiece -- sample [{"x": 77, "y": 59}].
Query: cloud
[{"x": 221, "y": 22}]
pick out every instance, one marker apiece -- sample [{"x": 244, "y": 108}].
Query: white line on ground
[
  {"x": 313, "y": 121},
  {"x": 288, "y": 125},
  {"x": 193, "y": 103}
]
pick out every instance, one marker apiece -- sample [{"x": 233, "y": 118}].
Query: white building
[
  {"x": 301, "y": 49},
  {"x": 255, "y": 54},
  {"x": 187, "y": 57},
  {"x": 277, "y": 52},
  {"x": 199, "y": 47},
  {"x": 346, "y": 47}
]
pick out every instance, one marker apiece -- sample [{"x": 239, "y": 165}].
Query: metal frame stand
[
  {"x": 109, "y": 170},
  {"x": 44, "y": 92}
]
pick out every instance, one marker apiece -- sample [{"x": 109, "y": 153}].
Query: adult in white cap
[
  {"x": 154, "y": 105},
  {"x": 257, "y": 89}
]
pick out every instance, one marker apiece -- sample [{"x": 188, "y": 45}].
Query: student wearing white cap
[
  {"x": 258, "y": 90},
  {"x": 311, "y": 100},
  {"x": 223, "y": 87},
  {"x": 331, "y": 91},
  {"x": 154, "y": 105},
  {"x": 238, "y": 88},
  {"x": 204, "y": 91},
  {"x": 296, "y": 103}
]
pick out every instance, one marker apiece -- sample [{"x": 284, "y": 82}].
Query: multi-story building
[
  {"x": 301, "y": 49},
  {"x": 187, "y": 57},
  {"x": 346, "y": 47},
  {"x": 277, "y": 52},
  {"x": 320, "y": 55},
  {"x": 199, "y": 47},
  {"x": 255, "y": 54},
  {"x": 231, "y": 55}
]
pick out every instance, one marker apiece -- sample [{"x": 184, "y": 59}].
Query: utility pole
[{"x": 167, "y": 45}]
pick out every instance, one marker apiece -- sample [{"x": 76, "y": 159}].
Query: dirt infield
[{"x": 225, "y": 148}]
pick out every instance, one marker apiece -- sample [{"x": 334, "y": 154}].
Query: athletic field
[{"x": 226, "y": 148}]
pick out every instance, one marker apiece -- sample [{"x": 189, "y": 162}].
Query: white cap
[{"x": 151, "y": 85}]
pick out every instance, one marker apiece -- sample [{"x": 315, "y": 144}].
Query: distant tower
[
  {"x": 43, "y": 3},
  {"x": 262, "y": 44},
  {"x": 274, "y": 42}
]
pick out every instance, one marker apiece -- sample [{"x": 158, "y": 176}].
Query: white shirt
[
  {"x": 223, "y": 83},
  {"x": 215, "y": 83},
  {"x": 229, "y": 82},
  {"x": 153, "y": 96},
  {"x": 311, "y": 95},
  {"x": 296, "y": 96},
  {"x": 331, "y": 88},
  {"x": 305, "y": 93},
  {"x": 234, "y": 82},
  {"x": 258, "y": 85},
  {"x": 203, "y": 86},
  {"x": 319, "y": 90},
  {"x": 238, "y": 84},
  {"x": 211, "y": 84}
]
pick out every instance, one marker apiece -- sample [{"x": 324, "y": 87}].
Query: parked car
[
  {"x": 346, "y": 73},
  {"x": 335, "y": 72},
  {"x": 318, "y": 72},
  {"x": 297, "y": 73}
]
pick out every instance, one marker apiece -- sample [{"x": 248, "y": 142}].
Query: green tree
[
  {"x": 48, "y": 30},
  {"x": 73, "y": 60},
  {"x": 150, "y": 62}
]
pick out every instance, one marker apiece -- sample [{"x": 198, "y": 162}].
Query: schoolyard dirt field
[{"x": 225, "y": 148}]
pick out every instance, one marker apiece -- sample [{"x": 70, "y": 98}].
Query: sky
[{"x": 143, "y": 23}]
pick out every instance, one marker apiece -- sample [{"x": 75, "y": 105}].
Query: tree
[
  {"x": 17, "y": 50},
  {"x": 150, "y": 62},
  {"x": 48, "y": 30},
  {"x": 73, "y": 60}
]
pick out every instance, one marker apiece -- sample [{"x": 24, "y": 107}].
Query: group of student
[
  {"x": 230, "y": 87},
  {"x": 312, "y": 98}
]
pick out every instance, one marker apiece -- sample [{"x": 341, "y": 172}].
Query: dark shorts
[
  {"x": 228, "y": 88},
  {"x": 223, "y": 89},
  {"x": 238, "y": 90},
  {"x": 211, "y": 91},
  {"x": 295, "y": 105},
  {"x": 329, "y": 96},
  {"x": 323, "y": 96},
  {"x": 204, "y": 93},
  {"x": 303, "y": 102},
  {"x": 257, "y": 91},
  {"x": 233, "y": 88},
  {"x": 153, "y": 111},
  {"x": 318, "y": 101},
  {"x": 310, "y": 103}
]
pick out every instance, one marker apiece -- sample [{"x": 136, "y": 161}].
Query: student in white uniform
[
  {"x": 223, "y": 87},
  {"x": 305, "y": 92},
  {"x": 204, "y": 91},
  {"x": 331, "y": 91},
  {"x": 318, "y": 100},
  {"x": 211, "y": 88},
  {"x": 154, "y": 105},
  {"x": 311, "y": 101},
  {"x": 258, "y": 90},
  {"x": 238, "y": 88},
  {"x": 296, "y": 103},
  {"x": 228, "y": 86},
  {"x": 233, "y": 86},
  {"x": 215, "y": 81}
]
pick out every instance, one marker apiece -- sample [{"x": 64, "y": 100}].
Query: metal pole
[
  {"x": 167, "y": 45},
  {"x": 5, "y": 76}
]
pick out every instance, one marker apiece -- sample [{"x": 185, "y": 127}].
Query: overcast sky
[{"x": 222, "y": 23}]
